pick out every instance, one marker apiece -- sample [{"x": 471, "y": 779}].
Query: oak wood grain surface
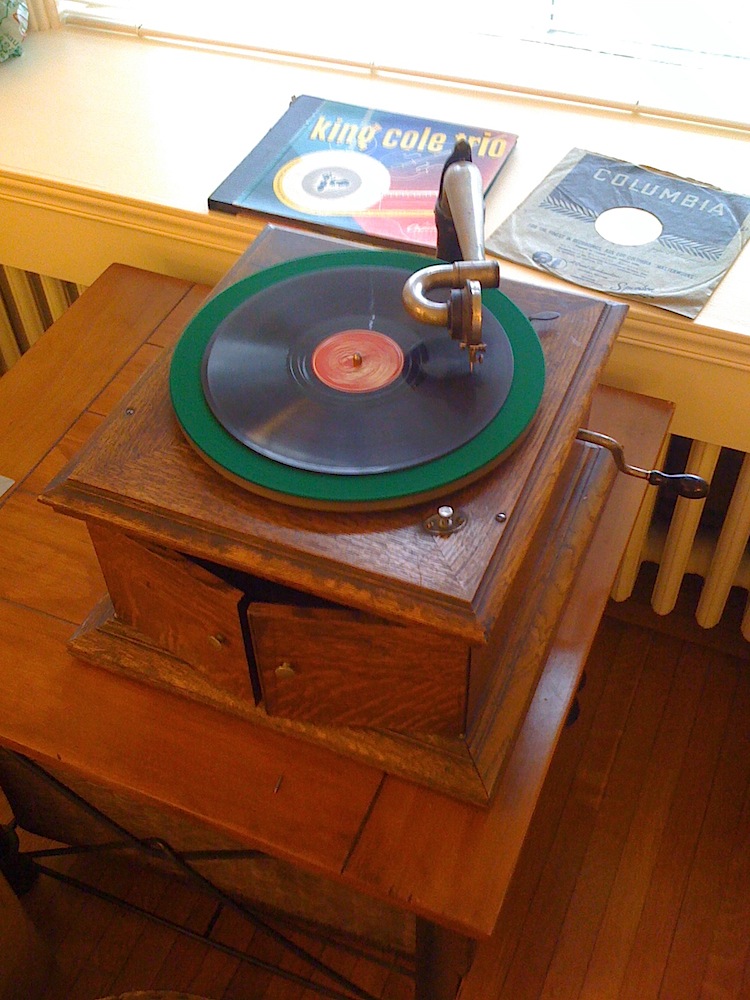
[
  {"x": 162, "y": 588},
  {"x": 46, "y": 391},
  {"x": 142, "y": 475}
]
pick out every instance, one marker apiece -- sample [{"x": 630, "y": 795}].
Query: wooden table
[{"x": 383, "y": 851}]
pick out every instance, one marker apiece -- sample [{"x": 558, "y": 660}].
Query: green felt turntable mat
[{"x": 333, "y": 491}]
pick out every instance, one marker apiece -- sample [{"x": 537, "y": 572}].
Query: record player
[{"x": 351, "y": 504}]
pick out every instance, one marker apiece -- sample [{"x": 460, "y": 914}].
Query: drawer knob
[{"x": 285, "y": 670}]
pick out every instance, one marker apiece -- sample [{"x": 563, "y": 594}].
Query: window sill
[{"x": 117, "y": 143}]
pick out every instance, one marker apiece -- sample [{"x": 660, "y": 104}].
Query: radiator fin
[
  {"x": 29, "y": 304},
  {"x": 56, "y": 296},
  {"x": 707, "y": 538},
  {"x": 683, "y": 529},
  {"x": 727, "y": 561},
  {"x": 10, "y": 350},
  {"x": 634, "y": 552}
]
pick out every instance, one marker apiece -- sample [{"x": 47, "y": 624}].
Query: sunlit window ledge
[{"x": 112, "y": 145}]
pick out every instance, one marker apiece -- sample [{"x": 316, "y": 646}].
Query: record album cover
[
  {"x": 628, "y": 230},
  {"x": 345, "y": 169}
]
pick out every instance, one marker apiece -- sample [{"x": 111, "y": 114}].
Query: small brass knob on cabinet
[
  {"x": 445, "y": 521},
  {"x": 218, "y": 641},
  {"x": 285, "y": 671}
]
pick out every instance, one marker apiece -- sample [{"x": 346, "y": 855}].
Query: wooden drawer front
[
  {"x": 338, "y": 667},
  {"x": 181, "y": 607}
]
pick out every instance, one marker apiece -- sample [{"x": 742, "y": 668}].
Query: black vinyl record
[{"x": 272, "y": 375}]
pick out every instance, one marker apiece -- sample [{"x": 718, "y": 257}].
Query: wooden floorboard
[
  {"x": 635, "y": 877},
  {"x": 634, "y": 883}
]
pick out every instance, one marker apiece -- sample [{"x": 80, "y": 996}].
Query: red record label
[{"x": 357, "y": 361}]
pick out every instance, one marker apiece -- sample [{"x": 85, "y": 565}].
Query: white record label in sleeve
[
  {"x": 332, "y": 182},
  {"x": 627, "y": 230}
]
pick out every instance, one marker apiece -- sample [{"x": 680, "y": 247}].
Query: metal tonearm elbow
[{"x": 459, "y": 215}]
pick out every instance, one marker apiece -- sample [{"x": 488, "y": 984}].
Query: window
[{"x": 676, "y": 56}]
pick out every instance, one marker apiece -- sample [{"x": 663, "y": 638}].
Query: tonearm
[{"x": 459, "y": 216}]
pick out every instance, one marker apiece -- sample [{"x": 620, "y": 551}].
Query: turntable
[{"x": 330, "y": 515}]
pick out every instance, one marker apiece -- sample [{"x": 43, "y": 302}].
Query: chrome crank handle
[{"x": 684, "y": 484}]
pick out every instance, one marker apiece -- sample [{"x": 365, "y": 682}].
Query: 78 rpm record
[
  {"x": 310, "y": 383},
  {"x": 334, "y": 376}
]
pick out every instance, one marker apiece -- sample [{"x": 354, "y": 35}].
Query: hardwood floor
[
  {"x": 634, "y": 883},
  {"x": 635, "y": 879}
]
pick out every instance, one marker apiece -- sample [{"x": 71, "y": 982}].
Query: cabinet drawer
[
  {"x": 338, "y": 667},
  {"x": 179, "y": 606}
]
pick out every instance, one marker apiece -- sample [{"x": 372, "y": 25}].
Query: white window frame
[{"x": 531, "y": 47}]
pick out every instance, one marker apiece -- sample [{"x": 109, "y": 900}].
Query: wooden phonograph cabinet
[{"x": 409, "y": 632}]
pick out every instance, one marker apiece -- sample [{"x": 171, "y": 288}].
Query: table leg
[
  {"x": 443, "y": 958},
  {"x": 19, "y": 871}
]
